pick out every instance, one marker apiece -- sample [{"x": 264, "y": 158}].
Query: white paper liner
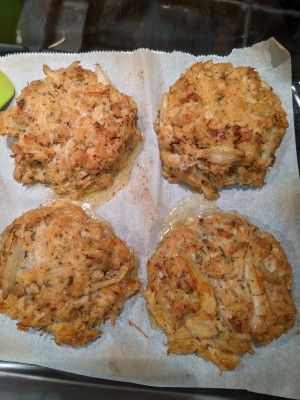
[{"x": 137, "y": 213}]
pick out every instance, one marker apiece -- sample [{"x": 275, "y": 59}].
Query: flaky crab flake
[
  {"x": 72, "y": 130},
  {"x": 219, "y": 125},
  {"x": 217, "y": 286},
  {"x": 64, "y": 273}
]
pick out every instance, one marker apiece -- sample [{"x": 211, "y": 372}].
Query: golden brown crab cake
[
  {"x": 64, "y": 273},
  {"x": 219, "y": 125},
  {"x": 73, "y": 130},
  {"x": 218, "y": 285}
]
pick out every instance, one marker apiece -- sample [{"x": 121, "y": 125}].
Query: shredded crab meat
[
  {"x": 102, "y": 76},
  {"x": 211, "y": 288},
  {"x": 61, "y": 281},
  {"x": 72, "y": 130},
  {"x": 219, "y": 125}
]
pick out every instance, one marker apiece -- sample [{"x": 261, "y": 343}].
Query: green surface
[
  {"x": 10, "y": 11},
  {"x": 7, "y": 90}
]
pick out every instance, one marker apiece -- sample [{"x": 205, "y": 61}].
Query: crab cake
[
  {"x": 73, "y": 130},
  {"x": 218, "y": 285},
  {"x": 219, "y": 125},
  {"x": 64, "y": 273}
]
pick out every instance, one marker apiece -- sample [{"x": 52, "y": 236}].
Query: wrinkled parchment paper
[{"x": 137, "y": 213}]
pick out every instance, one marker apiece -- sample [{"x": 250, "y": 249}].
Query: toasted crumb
[
  {"x": 219, "y": 125},
  {"x": 72, "y": 130},
  {"x": 218, "y": 285},
  {"x": 64, "y": 273}
]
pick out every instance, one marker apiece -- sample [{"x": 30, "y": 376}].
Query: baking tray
[{"x": 23, "y": 381}]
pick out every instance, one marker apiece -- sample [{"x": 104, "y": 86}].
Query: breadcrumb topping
[
  {"x": 219, "y": 125},
  {"x": 217, "y": 286},
  {"x": 73, "y": 130},
  {"x": 64, "y": 273}
]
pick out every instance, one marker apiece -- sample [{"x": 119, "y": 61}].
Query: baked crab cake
[
  {"x": 217, "y": 286},
  {"x": 72, "y": 130},
  {"x": 64, "y": 273},
  {"x": 219, "y": 125}
]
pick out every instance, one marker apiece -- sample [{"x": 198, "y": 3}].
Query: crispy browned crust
[
  {"x": 73, "y": 130},
  {"x": 218, "y": 285},
  {"x": 64, "y": 273},
  {"x": 219, "y": 125}
]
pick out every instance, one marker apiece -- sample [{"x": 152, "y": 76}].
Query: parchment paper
[{"x": 137, "y": 213}]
